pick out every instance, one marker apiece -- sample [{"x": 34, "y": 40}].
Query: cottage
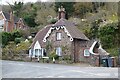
[
  {"x": 63, "y": 37},
  {"x": 9, "y": 22}
]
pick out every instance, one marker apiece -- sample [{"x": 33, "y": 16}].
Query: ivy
[{"x": 108, "y": 35}]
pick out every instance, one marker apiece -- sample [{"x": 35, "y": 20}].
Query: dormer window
[{"x": 58, "y": 36}]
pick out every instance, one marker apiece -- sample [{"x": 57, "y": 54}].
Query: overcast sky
[{"x": 25, "y": 1}]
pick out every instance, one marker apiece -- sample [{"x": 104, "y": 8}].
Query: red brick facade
[{"x": 11, "y": 22}]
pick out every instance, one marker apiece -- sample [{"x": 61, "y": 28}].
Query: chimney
[{"x": 62, "y": 12}]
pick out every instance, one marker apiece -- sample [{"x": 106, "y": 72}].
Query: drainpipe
[{"x": 74, "y": 51}]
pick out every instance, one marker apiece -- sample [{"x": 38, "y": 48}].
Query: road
[{"x": 15, "y": 69}]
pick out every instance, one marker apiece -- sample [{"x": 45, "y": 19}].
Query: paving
[{"x": 17, "y": 69}]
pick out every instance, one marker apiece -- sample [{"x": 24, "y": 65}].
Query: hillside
[{"x": 95, "y": 19}]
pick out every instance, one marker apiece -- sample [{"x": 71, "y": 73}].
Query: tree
[
  {"x": 108, "y": 35},
  {"x": 81, "y": 8},
  {"x": 119, "y": 26},
  {"x": 94, "y": 29},
  {"x": 30, "y": 14},
  {"x": 17, "y": 8},
  {"x": 44, "y": 14}
]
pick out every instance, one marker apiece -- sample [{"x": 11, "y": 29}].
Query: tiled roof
[
  {"x": 72, "y": 29},
  {"x": 7, "y": 16},
  {"x": 40, "y": 35}
]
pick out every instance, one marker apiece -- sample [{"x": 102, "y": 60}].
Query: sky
[
  {"x": 12, "y": 1},
  {"x": 25, "y": 1}
]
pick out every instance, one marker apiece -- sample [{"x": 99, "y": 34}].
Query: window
[
  {"x": 37, "y": 52},
  {"x": 59, "y": 51},
  {"x": 58, "y": 36},
  {"x": 86, "y": 52}
]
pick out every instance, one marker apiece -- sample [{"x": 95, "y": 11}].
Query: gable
[
  {"x": 37, "y": 45},
  {"x": 57, "y": 28},
  {"x": 2, "y": 17},
  {"x": 39, "y": 36}
]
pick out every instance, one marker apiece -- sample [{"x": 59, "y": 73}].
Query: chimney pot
[{"x": 62, "y": 12}]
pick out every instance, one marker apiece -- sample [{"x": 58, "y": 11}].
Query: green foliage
[
  {"x": 23, "y": 46},
  {"x": 53, "y": 54},
  {"x": 96, "y": 5},
  {"x": 81, "y": 8},
  {"x": 30, "y": 20},
  {"x": 17, "y": 8},
  {"x": 68, "y": 7},
  {"x": 108, "y": 35},
  {"x": 48, "y": 46},
  {"x": 52, "y": 21},
  {"x": 16, "y": 34},
  {"x": 94, "y": 31},
  {"x": 25, "y": 33},
  {"x": 44, "y": 14},
  {"x": 11, "y": 51},
  {"x": 17, "y": 40},
  {"x": 67, "y": 57},
  {"x": 113, "y": 51},
  {"x": 6, "y": 37}
]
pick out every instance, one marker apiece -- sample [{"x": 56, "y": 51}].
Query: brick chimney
[{"x": 61, "y": 13}]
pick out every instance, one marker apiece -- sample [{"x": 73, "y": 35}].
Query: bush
[
  {"x": 66, "y": 57},
  {"x": 6, "y": 37},
  {"x": 108, "y": 35},
  {"x": 12, "y": 51},
  {"x": 52, "y": 54},
  {"x": 17, "y": 40},
  {"x": 113, "y": 51}
]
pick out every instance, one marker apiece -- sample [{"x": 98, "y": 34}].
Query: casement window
[
  {"x": 58, "y": 36},
  {"x": 59, "y": 51},
  {"x": 37, "y": 52},
  {"x": 1, "y": 22},
  {"x": 86, "y": 52}
]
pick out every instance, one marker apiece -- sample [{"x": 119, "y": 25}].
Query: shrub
[
  {"x": 52, "y": 54},
  {"x": 17, "y": 40},
  {"x": 6, "y": 37},
  {"x": 108, "y": 35}
]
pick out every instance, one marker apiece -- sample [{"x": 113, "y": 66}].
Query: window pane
[
  {"x": 59, "y": 51},
  {"x": 58, "y": 36},
  {"x": 86, "y": 52}
]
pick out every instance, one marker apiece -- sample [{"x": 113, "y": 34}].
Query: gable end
[{"x": 57, "y": 28}]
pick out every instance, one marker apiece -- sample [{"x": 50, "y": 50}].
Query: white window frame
[
  {"x": 58, "y": 36},
  {"x": 86, "y": 54},
  {"x": 59, "y": 51},
  {"x": 38, "y": 52}
]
